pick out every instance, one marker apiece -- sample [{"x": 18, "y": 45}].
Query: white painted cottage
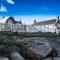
[
  {"x": 30, "y": 28},
  {"x": 52, "y": 25},
  {"x": 9, "y": 24}
]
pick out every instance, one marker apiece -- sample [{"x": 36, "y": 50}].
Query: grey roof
[
  {"x": 5, "y": 19},
  {"x": 53, "y": 21},
  {"x": 18, "y": 22}
]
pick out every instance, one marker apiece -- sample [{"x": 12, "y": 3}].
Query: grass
[{"x": 30, "y": 34}]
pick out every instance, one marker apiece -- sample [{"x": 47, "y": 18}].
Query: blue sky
[
  {"x": 29, "y": 10},
  {"x": 31, "y": 7}
]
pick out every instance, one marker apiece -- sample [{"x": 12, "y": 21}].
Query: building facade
[
  {"x": 30, "y": 28},
  {"x": 52, "y": 25},
  {"x": 9, "y": 24}
]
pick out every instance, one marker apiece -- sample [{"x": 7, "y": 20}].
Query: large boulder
[{"x": 39, "y": 50}]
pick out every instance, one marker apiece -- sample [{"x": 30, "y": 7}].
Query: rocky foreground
[
  {"x": 10, "y": 53},
  {"x": 42, "y": 48},
  {"x": 33, "y": 48}
]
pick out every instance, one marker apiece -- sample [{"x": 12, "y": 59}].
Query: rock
[
  {"x": 3, "y": 58},
  {"x": 48, "y": 58},
  {"x": 7, "y": 51},
  {"x": 54, "y": 58},
  {"x": 16, "y": 56},
  {"x": 2, "y": 46},
  {"x": 38, "y": 52}
]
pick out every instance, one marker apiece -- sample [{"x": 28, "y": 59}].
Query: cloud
[
  {"x": 30, "y": 19},
  {"x": 3, "y": 9},
  {"x": 45, "y": 8},
  {"x": 10, "y": 1}
]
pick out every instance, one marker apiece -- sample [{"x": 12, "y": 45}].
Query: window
[
  {"x": 51, "y": 26},
  {"x": 43, "y": 26}
]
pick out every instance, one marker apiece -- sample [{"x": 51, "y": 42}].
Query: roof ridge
[
  {"x": 52, "y": 21},
  {"x": 48, "y": 20}
]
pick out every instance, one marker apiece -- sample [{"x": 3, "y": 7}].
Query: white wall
[
  {"x": 46, "y": 28},
  {"x": 30, "y": 28},
  {"x": 2, "y": 27},
  {"x": 18, "y": 28}
]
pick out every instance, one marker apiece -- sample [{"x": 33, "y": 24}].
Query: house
[
  {"x": 30, "y": 28},
  {"x": 9, "y": 24},
  {"x": 52, "y": 25}
]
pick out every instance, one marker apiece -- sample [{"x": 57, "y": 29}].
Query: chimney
[
  {"x": 3, "y": 17},
  {"x": 58, "y": 18},
  {"x": 20, "y": 21},
  {"x": 34, "y": 21}
]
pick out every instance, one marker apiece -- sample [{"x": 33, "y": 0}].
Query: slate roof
[
  {"x": 18, "y": 22},
  {"x": 6, "y": 18},
  {"x": 53, "y": 21}
]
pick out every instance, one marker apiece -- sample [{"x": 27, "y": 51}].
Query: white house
[
  {"x": 9, "y": 24},
  {"x": 52, "y": 25},
  {"x": 30, "y": 28}
]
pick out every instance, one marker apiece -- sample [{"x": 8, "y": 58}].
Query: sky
[{"x": 29, "y": 8}]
